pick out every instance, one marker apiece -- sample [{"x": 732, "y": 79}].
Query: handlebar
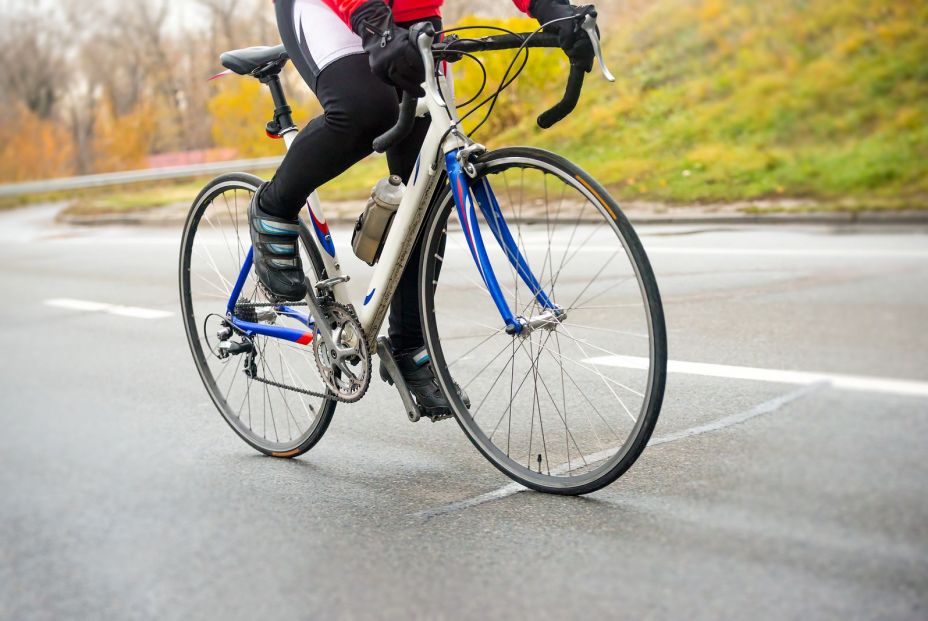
[
  {"x": 452, "y": 49},
  {"x": 568, "y": 102},
  {"x": 403, "y": 127}
]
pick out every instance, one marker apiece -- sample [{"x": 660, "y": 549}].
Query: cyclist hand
[
  {"x": 574, "y": 41},
  {"x": 393, "y": 56}
]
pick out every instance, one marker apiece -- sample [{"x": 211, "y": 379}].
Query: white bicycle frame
[
  {"x": 407, "y": 221},
  {"x": 446, "y": 148}
]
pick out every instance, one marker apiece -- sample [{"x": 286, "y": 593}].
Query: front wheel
[{"x": 569, "y": 407}]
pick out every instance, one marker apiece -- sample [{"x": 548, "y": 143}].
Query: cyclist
[{"x": 356, "y": 56}]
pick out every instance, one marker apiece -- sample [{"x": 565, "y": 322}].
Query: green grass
[
  {"x": 727, "y": 100},
  {"x": 717, "y": 101}
]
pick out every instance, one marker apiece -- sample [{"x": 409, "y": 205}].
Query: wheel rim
[
  {"x": 270, "y": 418},
  {"x": 577, "y": 402}
]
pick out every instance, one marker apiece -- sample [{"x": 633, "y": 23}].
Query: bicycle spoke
[
  {"x": 286, "y": 416},
  {"x": 572, "y": 421}
]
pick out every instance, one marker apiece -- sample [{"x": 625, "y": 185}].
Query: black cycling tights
[{"x": 357, "y": 107}]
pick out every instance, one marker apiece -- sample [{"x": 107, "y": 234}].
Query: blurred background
[
  {"x": 773, "y": 158},
  {"x": 797, "y": 105}
]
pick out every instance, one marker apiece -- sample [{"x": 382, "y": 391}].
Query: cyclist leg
[
  {"x": 405, "y": 325},
  {"x": 357, "y": 107}
]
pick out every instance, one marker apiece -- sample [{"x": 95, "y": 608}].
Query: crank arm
[
  {"x": 322, "y": 326},
  {"x": 389, "y": 363}
]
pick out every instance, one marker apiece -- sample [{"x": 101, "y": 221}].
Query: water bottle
[{"x": 370, "y": 232}]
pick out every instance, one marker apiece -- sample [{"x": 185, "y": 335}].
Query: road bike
[{"x": 536, "y": 294}]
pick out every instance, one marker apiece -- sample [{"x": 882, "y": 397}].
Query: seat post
[{"x": 283, "y": 114}]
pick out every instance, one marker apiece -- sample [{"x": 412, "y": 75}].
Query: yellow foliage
[
  {"x": 122, "y": 143},
  {"x": 32, "y": 148},
  {"x": 241, "y": 108},
  {"x": 711, "y": 10},
  {"x": 522, "y": 97}
]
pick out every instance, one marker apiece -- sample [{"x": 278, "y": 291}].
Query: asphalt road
[{"x": 123, "y": 495}]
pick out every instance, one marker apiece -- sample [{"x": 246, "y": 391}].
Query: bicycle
[{"x": 563, "y": 353}]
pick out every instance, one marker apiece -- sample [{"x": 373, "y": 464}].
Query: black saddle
[{"x": 256, "y": 61}]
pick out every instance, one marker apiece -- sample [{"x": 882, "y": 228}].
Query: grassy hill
[{"x": 721, "y": 100}]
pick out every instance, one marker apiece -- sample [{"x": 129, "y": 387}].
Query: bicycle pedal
[
  {"x": 325, "y": 285},
  {"x": 439, "y": 417}
]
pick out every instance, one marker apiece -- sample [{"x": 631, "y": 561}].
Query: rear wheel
[
  {"x": 278, "y": 420},
  {"x": 570, "y": 406}
]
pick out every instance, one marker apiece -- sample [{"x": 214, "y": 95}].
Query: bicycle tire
[
  {"x": 434, "y": 255},
  {"x": 215, "y": 188}
]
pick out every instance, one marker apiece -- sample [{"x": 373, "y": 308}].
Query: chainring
[{"x": 349, "y": 377}]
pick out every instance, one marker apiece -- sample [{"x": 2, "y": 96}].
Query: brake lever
[{"x": 589, "y": 25}]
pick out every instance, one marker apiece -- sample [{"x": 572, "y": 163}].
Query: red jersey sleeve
[
  {"x": 344, "y": 8},
  {"x": 522, "y": 5}
]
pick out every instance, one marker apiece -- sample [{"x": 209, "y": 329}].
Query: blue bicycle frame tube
[
  {"x": 240, "y": 282},
  {"x": 460, "y": 189},
  {"x": 286, "y": 311},
  {"x": 494, "y": 217},
  {"x": 278, "y": 332}
]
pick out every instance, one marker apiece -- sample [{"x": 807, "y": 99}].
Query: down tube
[{"x": 460, "y": 189}]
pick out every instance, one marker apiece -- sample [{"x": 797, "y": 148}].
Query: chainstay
[
  {"x": 304, "y": 391},
  {"x": 270, "y": 304}
]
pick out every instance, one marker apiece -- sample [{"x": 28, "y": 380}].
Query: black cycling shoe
[
  {"x": 417, "y": 371},
  {"x": 276, "y": 253}
]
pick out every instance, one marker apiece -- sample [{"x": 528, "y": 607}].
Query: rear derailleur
[{"x": 229, "y": 347}]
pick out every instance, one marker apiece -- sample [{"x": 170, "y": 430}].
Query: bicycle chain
[{"x": 312, "y": 393}]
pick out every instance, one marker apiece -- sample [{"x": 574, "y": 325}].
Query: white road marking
[
  {"x": 824, "y": 253},
  {"x": 113, "y": 309},
  {"x": 862, "y": 383},
  {"x": 767, "y": 407},
  {"x": 861, "y": 253}
]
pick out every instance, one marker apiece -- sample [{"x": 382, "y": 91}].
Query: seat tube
[{"x": 461, "y": 191}]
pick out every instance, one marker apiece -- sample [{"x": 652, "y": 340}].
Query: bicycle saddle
[{"x": 250, "y": 60}]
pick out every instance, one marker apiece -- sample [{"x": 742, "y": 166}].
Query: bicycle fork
[{"x": 463, "y": 191}]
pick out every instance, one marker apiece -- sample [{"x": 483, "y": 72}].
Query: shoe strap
[
  {"x": 420, "y": 357},
  {"x": 276, "y": 227}
]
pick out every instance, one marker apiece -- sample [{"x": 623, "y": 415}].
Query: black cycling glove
[
  {"x": 393, "y": 55},
  {"x": 572, "y": 39}
]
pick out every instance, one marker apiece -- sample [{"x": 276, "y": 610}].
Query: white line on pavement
[
  {"x": 113, "y": 309},
  {"x": 793, "y": 252},
  {"x": 861, "y": 383},
  {"x": 825, "y": 253},
  {"x": 767, "y": 407}
]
